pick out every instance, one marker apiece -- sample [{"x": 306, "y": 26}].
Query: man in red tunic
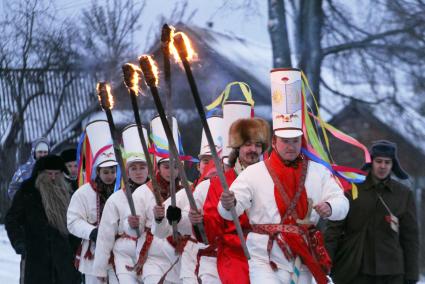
[
  {"x": 223, "y": 260},
  {"x": 278, "y": 193}
]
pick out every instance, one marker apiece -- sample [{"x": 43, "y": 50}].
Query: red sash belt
[
  {"x": 295, "y": 240},
  {"x": 274, "y": 231},
  {"x": 180, "y": 244},
  {"x": 125, "y": 236},
  {"x": 210, "y": 251},
  {"x": 143, "y": 255}
]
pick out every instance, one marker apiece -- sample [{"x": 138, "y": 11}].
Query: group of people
[{"x": 69, "y": 235}]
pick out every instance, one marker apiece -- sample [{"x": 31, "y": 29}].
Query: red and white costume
[
  {"x": 266, "y": 190},
  {"x": 85, "y": 210},
  {"x": 115, "y": 235}
]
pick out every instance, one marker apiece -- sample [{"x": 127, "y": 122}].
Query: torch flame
[
  {"x": 105, "y": 87},
  {"x": 153, "y": 69},
  {"x": 191, "y": 54},
  {"x": 131, "y": 77}
]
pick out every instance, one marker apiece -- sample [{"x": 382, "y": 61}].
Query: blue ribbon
[
  {"x": 316, "y": 159},
  {"x": 118, "y": 179},
  {"x": 79, "y": 146}
]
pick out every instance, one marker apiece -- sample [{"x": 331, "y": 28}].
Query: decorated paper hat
[
  {"x": 160, "y": 139},
  {"x": 101, "y": 145},
  {"x": 286, "y": 102},
  {"x": 215, "y": 124},
  {"x": 133, "y": 149},
  {"x": 232, "y": 111}
]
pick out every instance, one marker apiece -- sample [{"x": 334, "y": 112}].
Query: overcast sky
[{"x": 245, "y": 23}]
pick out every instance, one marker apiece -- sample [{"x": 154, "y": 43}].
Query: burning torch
[
  {"x": 131, "y": 80},
  {"x": 181, "y": 43},
  {"x": 107, "y": 103},
  {"x": 150, "y": 72}
]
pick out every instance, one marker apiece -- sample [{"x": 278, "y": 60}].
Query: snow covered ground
[{"x": 9, "y": 260}]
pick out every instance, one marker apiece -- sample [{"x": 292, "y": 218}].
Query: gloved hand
[
  {"x": 20, "y": 249},
  {"x": 93, "y": 235},
  {"x": 173, "y": 214}
]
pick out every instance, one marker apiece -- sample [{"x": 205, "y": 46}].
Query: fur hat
[
  {"x": 49, "y": 162},
  {"x": 387, "y": 149},
  {"x": 69, "y": 155},
  {"x": 249, "y": 129}
]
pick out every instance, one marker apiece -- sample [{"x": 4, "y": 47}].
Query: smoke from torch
[{"x": 104, "y": 95}]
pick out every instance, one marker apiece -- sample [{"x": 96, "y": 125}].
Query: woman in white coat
[
  {"x": 87, "y": 203},
  {"x": 117, "y": 240}
]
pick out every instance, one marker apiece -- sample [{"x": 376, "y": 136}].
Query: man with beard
[
  {"x": 223, "y": 260},
  {"x": 116, "y": 235},
  {"x": 39, "y": 149},
  {"x": 378, "y": 242},
  {"x": 36, "y": 224},
  {"x": 69, "y": 156},
  {"x": 87, "y": 203},
  {"x": 280, "y": 194}
]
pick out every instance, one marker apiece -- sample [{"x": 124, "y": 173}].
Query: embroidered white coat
[
  {"x": 114, "y": 223},
  {"x": 81, "y": 220},
  {"x": 254, "y": 192},
  {"x": 162, "y": 255}
]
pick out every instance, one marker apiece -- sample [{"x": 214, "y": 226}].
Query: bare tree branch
[{"x": 364, "y": 43}]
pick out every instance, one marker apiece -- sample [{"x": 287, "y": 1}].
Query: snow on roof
[
  {"x": 256, "y": 58},
  {"x": 407, "y": 122},
  {"x": 41, "y": 111}
]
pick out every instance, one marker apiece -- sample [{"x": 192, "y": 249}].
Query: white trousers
[
  {"x": 125, "y": 278},
  {"x": 154, "y": 279},
  {"x": 211, "y": 279},
  {"x": 261, "y": 273},
  {"x": 91, "y": 279}
]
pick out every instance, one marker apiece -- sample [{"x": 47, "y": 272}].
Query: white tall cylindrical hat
[
  {"x": 232, "y": 111},
  {"x": 160, "y": 139},
  {"x": 286, "y": 102},
  {"x": 215, "y": 124},
  {"x": 133, "y": 149},
  {"x": 101, "y": 144}
]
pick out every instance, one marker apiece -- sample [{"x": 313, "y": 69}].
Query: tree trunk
[
  {"x": 279, "y": 34},
  {"x": 311, "y": 49}
]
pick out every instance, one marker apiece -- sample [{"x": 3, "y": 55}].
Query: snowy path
[{"x": 9, "y": 260}]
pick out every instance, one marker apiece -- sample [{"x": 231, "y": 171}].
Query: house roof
[
  {"x": 73, "y": 91},
  {"x": 402, "y": 120}
]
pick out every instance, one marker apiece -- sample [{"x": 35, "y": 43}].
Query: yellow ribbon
[
  {"x": 325, "y": 136},
  {"x": 222, "y": 98},
  {"x": 354, "y": 191}
]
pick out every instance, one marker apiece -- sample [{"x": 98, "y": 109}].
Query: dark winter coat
[
  {"x": 364, "y": 242},
  {"x": 48, "y": 255}
]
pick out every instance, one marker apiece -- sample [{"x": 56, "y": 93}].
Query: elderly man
[
  {"x": 378, "y": 241},
  {"x": 36, "y": 224},
  {"x": 278, "y": 193}
]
